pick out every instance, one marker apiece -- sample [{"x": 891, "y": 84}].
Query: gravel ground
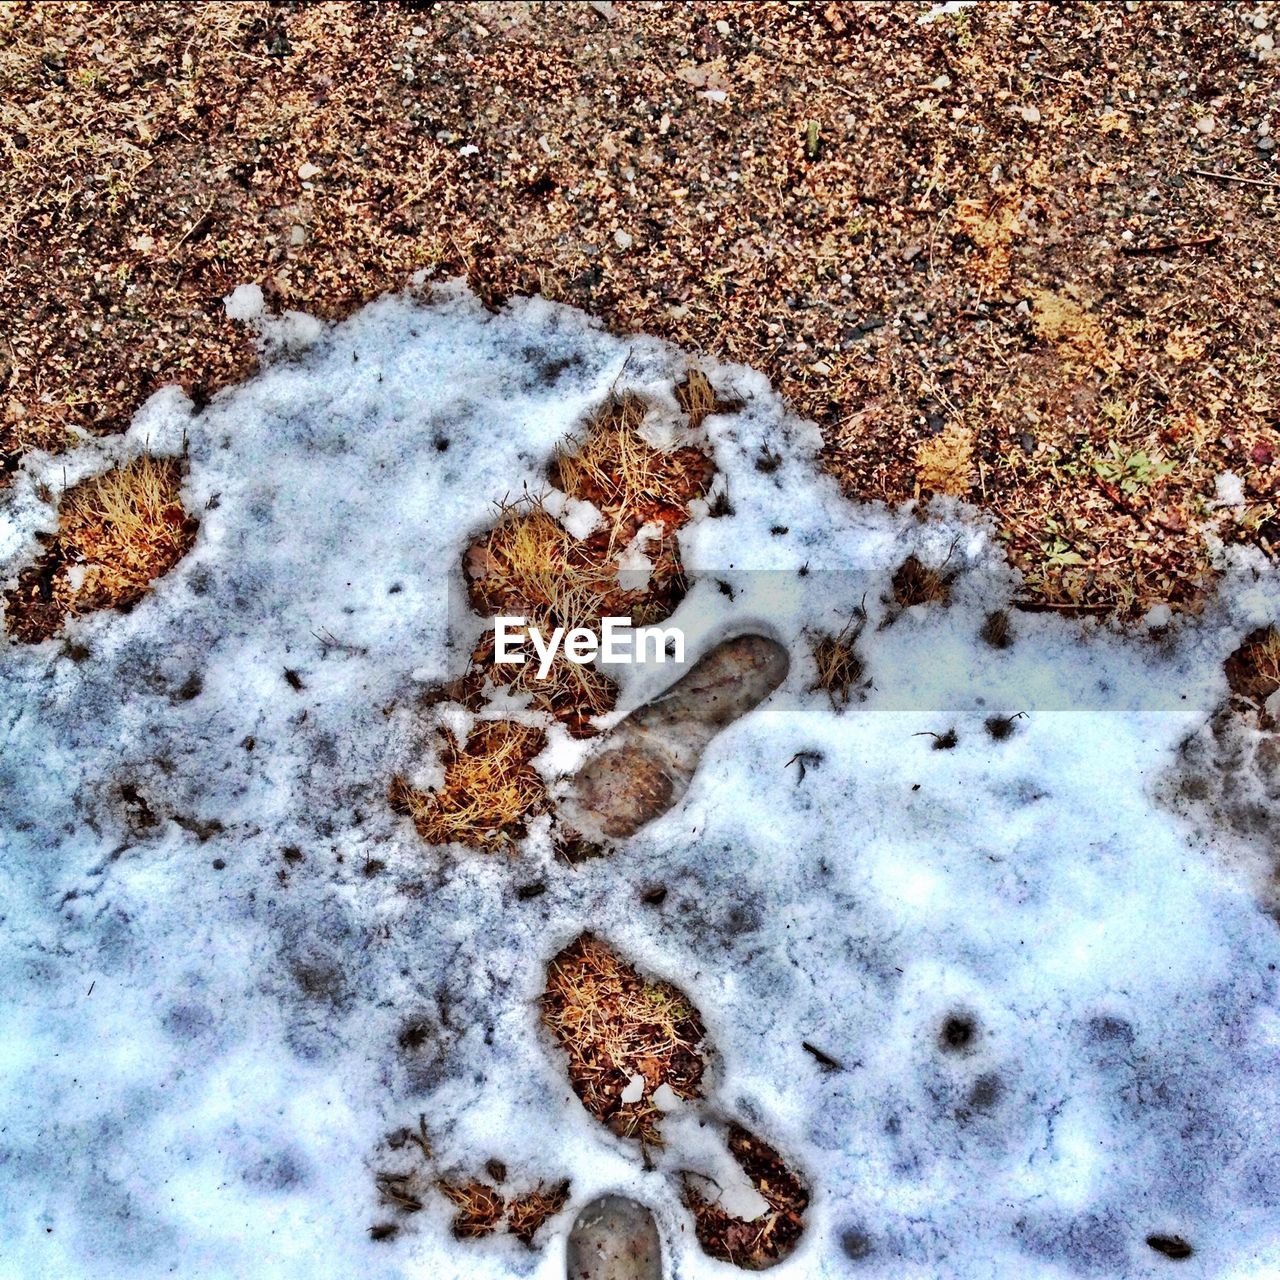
[{"x": 1025, "y": 255}]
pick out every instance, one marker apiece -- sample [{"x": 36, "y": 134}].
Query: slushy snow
[{"x": 215, "y": 931}]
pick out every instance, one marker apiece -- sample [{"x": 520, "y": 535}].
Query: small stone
[
  {"x": 1266, "y": 144},
  {"x": 1031, "y": 115},
  {"x": 307, "y": 171},
  {"x": 419, "y": 31},
  {"x": 622, "y": 240},
  {"x": 942, "y": 82},
  {"x": 297, "y": 235},
  {"x": 723, "y": 27},
  {"x": 821, "y": 368},
  {"x": 143, "y": 244},
  {"x": 1260, "y": 20},
  {"x": 614, "y": 1238},
  {"x": 1264, "y": 43},
  {"x": 1206, "y": 125}
]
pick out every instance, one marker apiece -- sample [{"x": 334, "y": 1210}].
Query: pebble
[
  {"x": 307, "y": 170},
  {"x": 1266, "y": 144},
  {"x": 723, "y": 27},
  {"x": 622, "y": 240},
  {"x": 298, "y": 235},
  {"x": 614, "y": 1238},
  {"x": 1031, "y": 115},
  {"x": 1206, "y": 125},
  {"x": 942, "y": 82},
  {"x": 1260, "y": 21},
  {"x": 1264, "y": 43}
]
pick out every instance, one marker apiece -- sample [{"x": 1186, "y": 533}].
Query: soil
[{"x": 1023, "y": 255}]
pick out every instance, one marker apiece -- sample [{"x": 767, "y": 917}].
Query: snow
[{"x": 207, "y": 977}]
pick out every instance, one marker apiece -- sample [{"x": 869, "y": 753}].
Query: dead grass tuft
[
  {"x": 1253, "y": 670},
  {"x": 615, "y": 1025},
  {"x": 480, "y": 1208},
  {"x": 490, "y": 788},
  {"x": 116, "y": 533},
  {"x": 944, "y": 463},
  {"x": 915, "y": 583},
  {"x": 528, "y": 564},
  {"x": 527, "y": 1213},
  {"x": 839, "y": 666},
  {"x": 631, "y": 482},
  {"x": 698, "y": 398},
  {"x": 996, "y": 630},
  {"x": 758, "y": 1244},
  {"x": 1079, "y": 336}
]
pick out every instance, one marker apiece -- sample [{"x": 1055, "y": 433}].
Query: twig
[
  {"x": 1169, "y": 246},
  {"x": 196, "y": 230},
  {"x": 1234, "y": 177},
  {"x": 1037, "y": 606}
]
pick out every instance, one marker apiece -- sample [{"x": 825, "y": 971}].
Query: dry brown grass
[
  {"x": 698, "y": 398},
  {"x": 116, "y": 533},
  {"x": 1253, "y": 670},
  {"x": 529, "y": 565},
  {"x": 996, "y": 630},
  {"x": 916, "y": 583},
  {"x": 480, "y": 1208},
  {"x": 1080, "y": 338},
  {"x": 631, "y": 482},
  {"x": 838, "y": 663},
  {"x": 614, "y": 1025},
  {"x": 527, "y": 1213},
  {"x": 944, "y": 463},
  {"x": 489, "y": 792},
  {"x": 758, "y": 1244}
]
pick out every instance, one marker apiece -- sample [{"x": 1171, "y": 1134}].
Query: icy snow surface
[{"x": 206, "y": 973}]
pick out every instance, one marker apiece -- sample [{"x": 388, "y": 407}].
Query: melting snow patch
[{"x": 1047, "y": 1015}]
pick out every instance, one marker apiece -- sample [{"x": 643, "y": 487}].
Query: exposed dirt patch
[
  {"x": 530, "y": 565},
  {"x": 882, "y": 216},
  {"x": 481, "y": 1208},
  {"x": 116, "y": 533},
  {"x": 759, "y": 1243},
  {"x": 915, "y": 582},
  {"x": 527, "y": 1213},
  {"x": 631, "y": 482},
  {"x": 1253, "y": 670},
  {"x": 615, "y": 1025}
]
